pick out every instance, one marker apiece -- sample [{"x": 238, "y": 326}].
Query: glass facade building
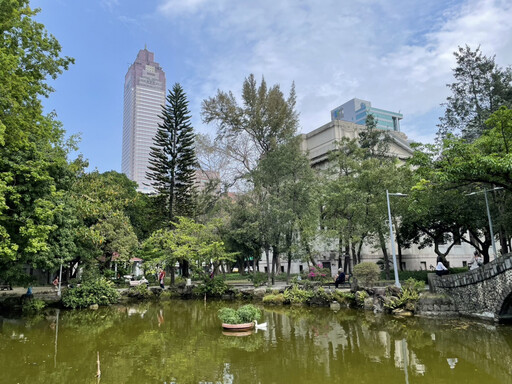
[
  {"x": 356, "y": 111},
  {"x": 144, "y": 96}
]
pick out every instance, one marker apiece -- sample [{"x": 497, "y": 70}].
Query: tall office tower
[
  {"x": 356, "y": 110},
  {"x": 144, "y": 96}
]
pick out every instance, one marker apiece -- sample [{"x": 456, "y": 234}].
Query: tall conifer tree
[{"x": 173, "y": 159}]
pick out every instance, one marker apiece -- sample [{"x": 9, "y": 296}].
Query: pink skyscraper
[{"x": 144, "y": 96}]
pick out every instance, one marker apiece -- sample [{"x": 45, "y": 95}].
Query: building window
[
  {"x": 423, "y": 265},
  {"x": 403, "y": 266},
  {"x": 464, "y": 263},
  {"x": 266, "y": 269},
  {"x": 282, "y": 268},
  {"x": 301, "y": 268}
]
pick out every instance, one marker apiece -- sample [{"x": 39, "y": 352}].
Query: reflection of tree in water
[{"x": 157, "y": 342}]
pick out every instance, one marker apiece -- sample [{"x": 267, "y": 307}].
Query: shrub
[
  {"x": 33, "y": 306},
  {"x": 245, "y": 314},
  {"x": 140, "y": 292},
  {"x": 212, "y": 287},
  {"x": 295, "y": 295},
  {"x": 360, "y": 297},
  {"x": 409, "y": 295},
  {"x": 249, "y": 313},
  {"x": 258, "y": 279},
  {"x": 275, "y": 299},
  {"x": 366, "y": 273},
  {"x": 346, "y": 298},
  {"x": 319, "y": 273},
  {"x": 98, "y": 291}
]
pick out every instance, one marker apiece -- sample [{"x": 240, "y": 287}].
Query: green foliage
[
  {"x": 319, "y": 274},
  {"x": 296, "y": 295},
  {"x": 360, "y": 297},
  {"x": 421, "y": 275},
  {"x": 366, "y": 273},
  {"x": 274, "y": 299},
  {"x": 140, "y": 292},
  {"x": 245, "y": 314},
  {"x": 258, "y": 279},
  {"x": 173, "y": 160},
  {"x": 35, "y": 174},
  {"x": 249, "y": 313},
  {"x": 214, "y": 287},
  {"x": 481, "y": 87},
  {"x": 33, "y": 306},
  {"x": 96, "y": 291},
  {"x": 347, "y": 298},
  {"x": 409, "y": 295}
]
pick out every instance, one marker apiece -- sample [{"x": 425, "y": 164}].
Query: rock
[
  {"x": 259, "y": 292},
  {"x": 401, "y": 313},
  {"x": 94, "y": 307},
  {"x": 368, "y": 304},
  {"x": 335, "y": 306}
]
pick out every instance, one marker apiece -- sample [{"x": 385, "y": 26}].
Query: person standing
[
  {"x": 476, "y": 262},
  {"x": 161, "y": 277}
]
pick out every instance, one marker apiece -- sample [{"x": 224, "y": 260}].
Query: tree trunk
[
  {"x": 267, "y": 250},
  {"x": 385, "y": 254},
  {"x": 275, "y": 256},
  {"x": 288, "y": 267},
  {"x": 310, "y": 254}
]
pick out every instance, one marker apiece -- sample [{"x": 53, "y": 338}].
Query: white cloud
[
  {"x": 175, "y": 7},
  {"x": 396, "y": 54}
]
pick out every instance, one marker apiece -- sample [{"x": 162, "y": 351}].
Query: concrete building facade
[
  {"x": 318, "y": 144},
  {"x": 144, "y": 96}
]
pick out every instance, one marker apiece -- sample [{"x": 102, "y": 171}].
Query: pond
[{"x": 182, "y": 342}]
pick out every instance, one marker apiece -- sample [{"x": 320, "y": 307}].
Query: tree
[
  {"x": 34, "y": 171},
  {"x": 197, "y": 243},
  {"x": 374, "y": 141},
  {"x": 173, "y": 159},
  {"x": 481, "y": 87},
  {"x": 104, "y": 203},
  {"x": 265, "y": 119},
  {"x": 261, "y": 124}
]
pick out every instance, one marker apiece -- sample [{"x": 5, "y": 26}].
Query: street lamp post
[
  {"x": 489, "y": 216},
  {"x": 395, "y": 269}
]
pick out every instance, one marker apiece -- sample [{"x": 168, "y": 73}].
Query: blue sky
[{"x": 395, "y": 53}]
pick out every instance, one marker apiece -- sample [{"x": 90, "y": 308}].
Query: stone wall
[{"x": 478, "y": 293}]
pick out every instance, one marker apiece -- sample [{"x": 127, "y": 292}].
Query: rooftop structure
[{"x": 356, "y": 110}]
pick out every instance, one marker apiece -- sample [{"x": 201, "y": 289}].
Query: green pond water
[{"x": 182, "y": 342}]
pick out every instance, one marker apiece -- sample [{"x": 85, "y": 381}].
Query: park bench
[{"x": 5, "y": 287}]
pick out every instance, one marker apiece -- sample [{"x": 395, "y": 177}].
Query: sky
[{"x": 398, "y": 54}]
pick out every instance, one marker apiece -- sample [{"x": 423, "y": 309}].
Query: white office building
[{"x": 144, "y": 96}]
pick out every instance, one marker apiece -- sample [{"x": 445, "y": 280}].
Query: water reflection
[{"x": 183, "y": 342}]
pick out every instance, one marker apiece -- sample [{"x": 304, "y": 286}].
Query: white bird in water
[{"x": 260, "y": 326}]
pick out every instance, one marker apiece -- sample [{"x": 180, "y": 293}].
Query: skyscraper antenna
[{"x": 145, "y": 46}]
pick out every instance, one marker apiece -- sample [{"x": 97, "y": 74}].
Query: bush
[
  {"x": 319, "y": 273},
  {"x": 245, "y": 314},
  {"x": 404, "y": 275},
  {"x": 360, "y": 297},
  {"x": 274, "y": 299},
  {"x": 367, "y": 274},
  {"x": 249, "y": 313},
  {"x": 33, "y": 306},
  {"x": 140, "y": 292},
  {"x": 409, "y": 295},
  {"x": 212, "y": 287},
  {"x": 98, "y": 291},
  {"x": 258, "y": 279},
  {"x": 346, "y": 298},
  {"x": 295, "y": 295}
]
